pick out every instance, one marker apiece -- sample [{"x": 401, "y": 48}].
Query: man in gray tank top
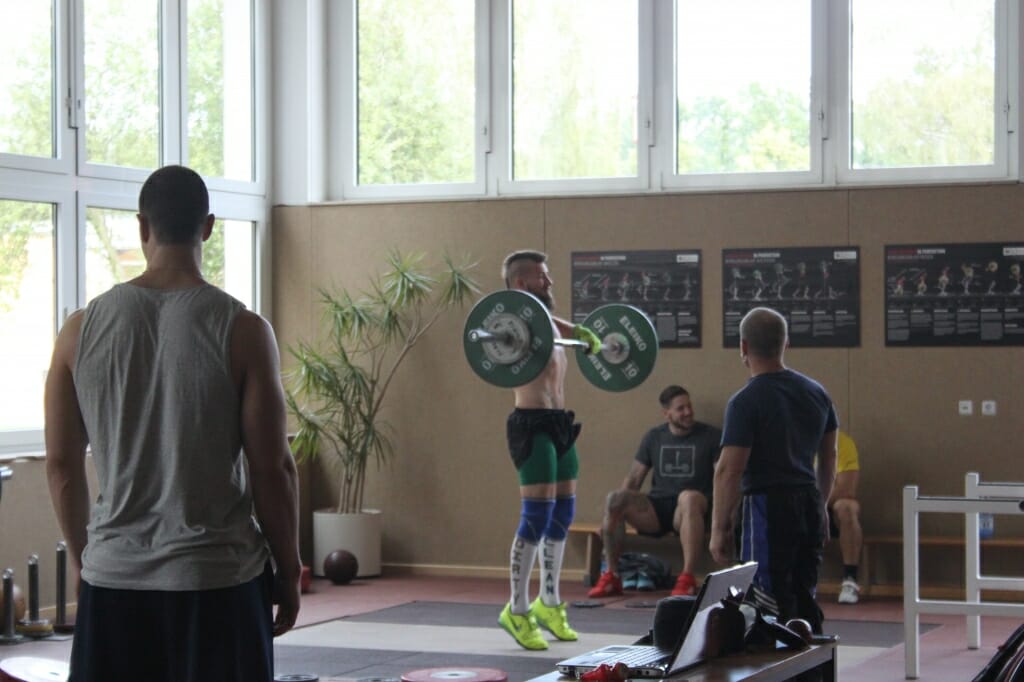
[{"x": 176, "y": 389}]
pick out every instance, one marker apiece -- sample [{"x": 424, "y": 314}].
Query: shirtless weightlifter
[{"x": 541, "y": 433}]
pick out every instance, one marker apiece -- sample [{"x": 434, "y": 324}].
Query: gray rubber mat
[
  {"x": 361, "y": 663},
  {"x": 616, "y": 621}
]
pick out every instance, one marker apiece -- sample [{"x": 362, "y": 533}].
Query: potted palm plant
[{"x": 337, "y": 389}]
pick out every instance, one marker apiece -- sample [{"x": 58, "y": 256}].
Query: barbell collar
[{"x": 478, "y": 335}]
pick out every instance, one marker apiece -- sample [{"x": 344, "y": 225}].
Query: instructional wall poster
[
  {"x": 817, "y": 290},
  {"x": 954, "y": 295},
  {"x": 663, "y": 284}
]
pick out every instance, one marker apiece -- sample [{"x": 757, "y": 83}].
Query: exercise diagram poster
[
  {"x": 954, "y": 295},
  {"x": 817, "y": 290},
  {"x": 663, "y": 284}
]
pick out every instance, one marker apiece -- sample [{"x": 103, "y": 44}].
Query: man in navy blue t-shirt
[{"x": 774, "y": 428}]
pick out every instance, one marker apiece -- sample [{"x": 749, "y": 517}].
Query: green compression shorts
[{"x": 545, "y": 466}]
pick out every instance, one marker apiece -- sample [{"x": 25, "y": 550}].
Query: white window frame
[
  {"x": 342, "y": 56},
  {"x": 63, "y": 199},
  {"x": 173, "y": 134},
  {"x": 1005, "y": 122},
  {"x": 667, "y": 109},
  {"x": 240, "y": 208},
  {"x": 63, "y": 137},
  {"x": 259, "y": 34},
  {"x": 503, "y": 182},
  {"x": 72, "y": 186},
  {"x": 168, "y": 144}
]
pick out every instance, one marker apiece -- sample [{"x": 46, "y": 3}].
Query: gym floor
[{"x": 944, "y": 654}]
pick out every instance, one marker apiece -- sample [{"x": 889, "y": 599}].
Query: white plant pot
[{"x": 359, "y": 533}]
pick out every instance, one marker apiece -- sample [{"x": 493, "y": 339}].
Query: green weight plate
[
  {"x": 634, "y": 348},
  {"x": 526, "y": 338}
]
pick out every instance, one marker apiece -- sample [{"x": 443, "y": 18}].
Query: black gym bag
[{"x": 1008, "y": 663}]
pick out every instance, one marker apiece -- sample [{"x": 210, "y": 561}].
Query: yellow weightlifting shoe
[
  {"x": 554, "y": 619},
  {"x": 523, "y": 629}
]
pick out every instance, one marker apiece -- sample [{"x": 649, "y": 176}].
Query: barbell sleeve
[{"x": 480, "y": 335}]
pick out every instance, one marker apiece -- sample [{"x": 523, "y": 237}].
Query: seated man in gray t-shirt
[{"x": 682, "y": 454}]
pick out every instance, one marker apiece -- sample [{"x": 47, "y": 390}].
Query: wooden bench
[
  {"x": 595, "y": 547},
  {"x": 873, "y": 541}
]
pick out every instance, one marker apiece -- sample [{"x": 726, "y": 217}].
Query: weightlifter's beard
[{"x": 546, "y": 298}]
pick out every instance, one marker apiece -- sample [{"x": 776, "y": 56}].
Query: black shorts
[
  {"x": 522, "y": 424},
  {"x": 223, "y": 635},
  {"x": 665, "y": 510}
]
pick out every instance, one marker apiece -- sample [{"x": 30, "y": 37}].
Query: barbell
[{"x": 509, "y": 339}]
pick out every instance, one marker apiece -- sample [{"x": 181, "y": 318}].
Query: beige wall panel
[
  {"x": 28, "y": 525},
  {"x": 904, "y": 400},
  {"x": 292, "y": 304}
]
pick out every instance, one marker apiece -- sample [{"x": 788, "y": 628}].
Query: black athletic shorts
[
  {"x": 223, "y": 635},
  {"x": 665, "y": 510},
  {"x": 559, "y": 425}
]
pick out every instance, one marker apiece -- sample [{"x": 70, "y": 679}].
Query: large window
[
  {"x": 416, "y": 92},
  {"x": 27, "y": 300},
  {"x": 743, "y": 86},
  {"x": 923, "y": 83},
  {"x": 94, "y": 95},
  {"x": 122, "y": 82},
  {"x": 26, "y": 78},
  {"x": 629, "y": 95},
  {"x": 574, "y": 89},
  {"x": 220, "y": 89}
]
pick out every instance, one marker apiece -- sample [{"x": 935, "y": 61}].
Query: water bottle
[{"x": 986, "y": 526}]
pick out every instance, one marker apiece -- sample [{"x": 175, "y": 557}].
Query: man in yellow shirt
[{"x": 844, "y": 516}]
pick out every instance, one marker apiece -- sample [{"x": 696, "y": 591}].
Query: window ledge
[{"x": 27, "y": 455}]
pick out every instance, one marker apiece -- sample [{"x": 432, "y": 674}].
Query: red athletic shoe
[
  {"x": 608, "y": 585},
  {"x": 686, "y": 586},
  {"x": 607, "y": 673}
]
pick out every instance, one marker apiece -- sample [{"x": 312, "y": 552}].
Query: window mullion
[
  {"x": 645, "y": 107},
  {"x": 173, "y": 89}
]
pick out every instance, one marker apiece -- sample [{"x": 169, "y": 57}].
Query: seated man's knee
[
  {"x": 617, "y": 501},
  {"x": 846, "y": 509},
  {"x": 692, "y": 502}
]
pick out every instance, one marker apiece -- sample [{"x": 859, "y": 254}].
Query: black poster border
[
  {"x": 822, "y": 304},
  {"x": 976, "y": 279},
  {"x": 666, "y": 284}
]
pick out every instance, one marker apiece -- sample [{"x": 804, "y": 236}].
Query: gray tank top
[{"x": 174, "y": 506}]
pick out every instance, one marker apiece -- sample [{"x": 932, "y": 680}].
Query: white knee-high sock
[
  {"x": 551, "y": 553},
  {"x": 521, "y": 560}
]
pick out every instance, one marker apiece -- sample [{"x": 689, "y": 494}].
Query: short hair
[
  {"x": 510, "y": 266},
  {"x": 671, "y": 393},
  {"x": 175, "y": 202},
  {"x": 765, "y": 332}
]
